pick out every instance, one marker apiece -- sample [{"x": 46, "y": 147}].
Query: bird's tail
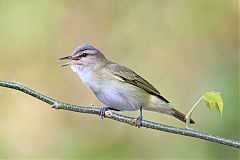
[
  {"x": 160, "y": 106},
  {"x": 180, "y": 116}
]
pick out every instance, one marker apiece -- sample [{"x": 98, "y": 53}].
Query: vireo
[{"x": 117, "y": 86}]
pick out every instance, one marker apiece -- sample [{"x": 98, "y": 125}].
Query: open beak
[{"x": 66, "y": 58}]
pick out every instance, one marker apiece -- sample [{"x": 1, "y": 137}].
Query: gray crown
[{"x": 83, "y": 48}]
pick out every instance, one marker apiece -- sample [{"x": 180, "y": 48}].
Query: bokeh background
[{"x": 184, "y": 48}]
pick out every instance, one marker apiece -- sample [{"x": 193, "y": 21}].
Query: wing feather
[{"x": 125, "y": 74}]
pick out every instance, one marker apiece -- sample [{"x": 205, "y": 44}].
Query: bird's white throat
[
  {"x": 87, "y": 76},
  {"x": 81, "y": 71}
]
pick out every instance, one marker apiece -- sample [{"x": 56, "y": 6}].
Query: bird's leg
[
  {"x": 139, "y": 119},
  {"x": 103, "y": 110}
]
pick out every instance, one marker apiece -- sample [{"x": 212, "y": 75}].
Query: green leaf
[{"x": 214, "y": 100}]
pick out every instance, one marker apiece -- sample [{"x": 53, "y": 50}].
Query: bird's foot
[
  {"x": 102, "y": 111},
  {"x": 138, "y": 122}
]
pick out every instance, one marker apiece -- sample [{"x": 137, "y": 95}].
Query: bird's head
[{"x": 85, "y": 56}]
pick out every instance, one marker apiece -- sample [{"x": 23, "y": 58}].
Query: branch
[{"x": 117, "y": 117}]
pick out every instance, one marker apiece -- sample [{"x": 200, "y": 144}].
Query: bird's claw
[
  {"x": 138, "y": 122},
  {"x": 102, "y": 111}
]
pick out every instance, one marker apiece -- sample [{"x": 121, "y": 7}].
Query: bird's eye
[{"x": 84, "y": 54}]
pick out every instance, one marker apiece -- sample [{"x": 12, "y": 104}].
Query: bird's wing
[{"x": 125, "y": 74}]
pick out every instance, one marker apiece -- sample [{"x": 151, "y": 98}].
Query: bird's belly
[
  {"x": 115, "y": 94},
  {"x": 120, "y": 96}
]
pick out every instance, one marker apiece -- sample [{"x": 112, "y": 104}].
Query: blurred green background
[{"x": 184, "y": 48}]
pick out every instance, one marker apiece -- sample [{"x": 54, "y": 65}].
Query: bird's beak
[{"x": 66, "y": 58}]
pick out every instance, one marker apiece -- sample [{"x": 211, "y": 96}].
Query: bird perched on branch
[{"x": 117, "y": 86}]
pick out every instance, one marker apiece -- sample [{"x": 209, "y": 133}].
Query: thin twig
[{"x": 95, "y": 110}]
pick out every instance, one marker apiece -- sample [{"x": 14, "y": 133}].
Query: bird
[{"x": 116, "y": 86}]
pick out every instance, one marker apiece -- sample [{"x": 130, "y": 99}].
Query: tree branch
[{"x": 117, "y": 117}]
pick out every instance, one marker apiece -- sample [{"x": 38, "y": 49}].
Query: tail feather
[
  {"x": 161, "y": 106},
  {"x": 180, "y": 116}
]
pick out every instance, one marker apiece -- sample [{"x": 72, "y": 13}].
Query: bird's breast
[
  {"x": 111, "y": 92},
  {"x": 91, "y": 79}
]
